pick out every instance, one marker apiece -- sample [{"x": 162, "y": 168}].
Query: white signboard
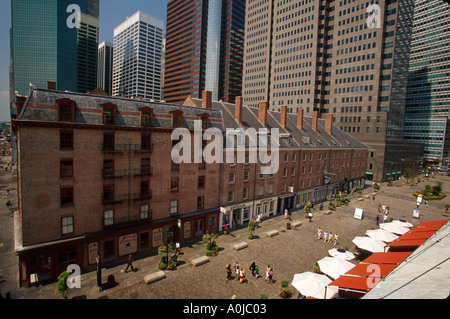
[
  {"x": 419, "y": 199},
  {"x": 416, "y": 213},
  {"x": 92, "y": 252},
  {"x": 358, "y": 213},
  {"x": 127, "y": 244}
]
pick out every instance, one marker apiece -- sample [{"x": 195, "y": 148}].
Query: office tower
[
  {"x": 204, "y": 48},
  {"x": 428, "y": 98},
  {"x": 46, "y": 47},
  {"x": 339, "y": 57},
  {"x": 137, "y": 57},
  {"x": 105, "y": 64}
]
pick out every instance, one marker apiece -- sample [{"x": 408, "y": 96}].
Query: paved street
[{"x": 290, "y": 252}]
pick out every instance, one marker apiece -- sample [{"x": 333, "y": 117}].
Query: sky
[{"x": 112, "y": 13}]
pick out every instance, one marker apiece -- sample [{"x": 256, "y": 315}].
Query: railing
[
  {"x": 147, "y": 171},
  {"x": 109, "y": 173},
  {"x": 127, "y": 221},
  {"x": 122, "y": 148},
  {"x": 110, "y": 200},
  {"x": 143, "y": 196}
]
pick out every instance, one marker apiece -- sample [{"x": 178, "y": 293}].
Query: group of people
[
  {"x": 240, "y": 272},
  {"x": 327, "y": 237}
]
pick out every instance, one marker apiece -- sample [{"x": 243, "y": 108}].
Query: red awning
[
  {"x": 357, "y": 283},
  {"x": 365, "y": 270},
  {"x": 407, "y": 242},
  {"x": 416, "y": 235},
  {"x": 432, "y": 223},
  {"x": 387, "y": 258}
]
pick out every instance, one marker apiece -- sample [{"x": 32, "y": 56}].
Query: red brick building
[{"x": 96, "y": 176}]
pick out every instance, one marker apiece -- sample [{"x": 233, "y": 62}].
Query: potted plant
[
  {"x": 62, "y": 285},
  {"x": 284, "y": 290},
  {"x": 211, "y": 248}
]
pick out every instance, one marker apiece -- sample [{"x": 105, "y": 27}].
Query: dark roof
[
  {"x": 41, "y": 106},
  {"x": 292, "y": 136}
]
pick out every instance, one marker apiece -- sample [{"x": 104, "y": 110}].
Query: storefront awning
[
  {"x": 407, "y": 242},
  {"x": 355, "y": 283},
  {"x": 387, "y": 258},
  {"x": 365, "y": 270}
]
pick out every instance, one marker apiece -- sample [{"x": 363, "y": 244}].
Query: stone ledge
[
  {"x": 240, "y": 246},
  {"x": 200, "y": 261},
  {"x": 154, "y": 277},
  {"x": 328, "y": 212},
  {"x": 272, "y": 233},
  {"x": 296, "y": 224}
]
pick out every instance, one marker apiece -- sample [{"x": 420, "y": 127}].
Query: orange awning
[
  {"x": 365, "y": 270},
  {"x": 357, "y": 283},
  {"x": 416, "y": 235},
  {"x": 387, "y": 258},
  {"x": 407, "y": 242},
  {"x": 432, "y": 223}
]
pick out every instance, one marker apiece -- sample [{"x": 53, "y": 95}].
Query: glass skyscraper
[
  {"x": 44, "y": 48},
  {"x": 204, "y": 49},
  {"x": 428, "y": 98}
]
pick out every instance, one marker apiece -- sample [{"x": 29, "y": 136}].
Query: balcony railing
[
  {"x": 143, "y": 196},
  {"x": 110, "y": 200},
  {"x": 114, "y": 223},
  {"x": 147, "y": 171},
  {"x": 108, "y": 173},
  {"x": 123, "y": 148}
]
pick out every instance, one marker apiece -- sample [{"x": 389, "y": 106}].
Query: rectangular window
[
  {"x": 108, "y": 141},
  {"x": 108, "y": 192},
  {"x": 201, "y": 182},
  {"x": 174, "y": 185},
  {"x": 245, "y": 193},
  {"x": 146, "y": 142},
  {"x": 231, "y": 178},
  {"x": 109, "y": 248},
  {"x": 66, "y": 168},
  {"x": 200, "y": 202},
  {"x": 173, "y": 207},
  {"x": 246, "y": 175},
  {"x": 145, "y": 188},
  {"x": 108, "y": 217},
  {"x": 108, "y": 168},
  {"x": 144, "y": 211},
  {"x": 66, "y": 112},
  {"x": 66, "y": 196},
  {"x": 67, "y": 225},
  {"x": 66, "y": 140},
  {"x": 230, "y": 196},
  {"x": 145, "y": 166}
]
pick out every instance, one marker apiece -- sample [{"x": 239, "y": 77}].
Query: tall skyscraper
[
  {"x": 137, "y": 57},
  {"x": 345, "y": 57},
  {"x": 105, "y": 65},
  {"x": 46, "y": 47},
  {"x": 204, "y": 49},
  {"x": 428, "y": 99}
]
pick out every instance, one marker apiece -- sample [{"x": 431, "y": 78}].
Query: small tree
[
  {"x": 62, "y": 284},
  {"x": 251, "y": 228},
  {"x": 211, "y": 248}
]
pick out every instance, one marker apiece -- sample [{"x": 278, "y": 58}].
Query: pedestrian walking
[
  {"x": 330, "y": 237},
  {"x": 252, "y": 268},
  {"x": 225, "y": 229},
  {"x": 178, "y": 247},
  {"x": 228, "y": 269},
  {"x": 242, "y": 277},
  {"x": 426, "y": 203},
  {"x": 267, "y": 272},
  {"x": 325, "y": 236},
  {"x": 130, "y": 263},
  {"x": 257, "y": 275},
  {"x": 236, "y": 269},
  {"x": 319, "y": 233},
  {"x": 270, "y": 277},
  {"x": 258, "y": 220},
  {"x": 378, "y": 220},
  {"x": 336, "y": 237}
]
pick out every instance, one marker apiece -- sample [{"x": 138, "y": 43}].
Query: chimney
[
  {"x": 300, "y": 118},
  {"x": 238, "y": 109},
  {"x": 283, "y": 115},
  {"x": 20, "y": 101},
  {"x": 315, "y": 118},
  {"x": 51, "y": 85},
  {"x": 328, "y": 123},
  {"x": 206, "y": 99},
  {"x": 262, "y": 113}
]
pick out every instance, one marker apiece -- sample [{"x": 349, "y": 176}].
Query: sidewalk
[{"x": 290, "y": 252}]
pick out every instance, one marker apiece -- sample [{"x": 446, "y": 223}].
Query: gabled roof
[
  {"x": 292, "y": 135},
  {"x": 41, "y": 106}
]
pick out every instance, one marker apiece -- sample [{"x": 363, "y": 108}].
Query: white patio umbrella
[
  {"x": 369, "y": 244},
  {"x": 334, "y": 267},
  {"x": 394, "y": 228},
  {"x": 381, "y": 234},
  {"x": 341, "y": 254},
  {"x": 403, "y": 223},
  {"x": 314, "y": 285}
]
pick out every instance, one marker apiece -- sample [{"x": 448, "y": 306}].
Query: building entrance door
[{"x": 199, "y": 227}]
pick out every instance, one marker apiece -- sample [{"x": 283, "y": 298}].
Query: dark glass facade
[
  {"x": 43, "y": 47},
  {"x": 204, "y": 49}
]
